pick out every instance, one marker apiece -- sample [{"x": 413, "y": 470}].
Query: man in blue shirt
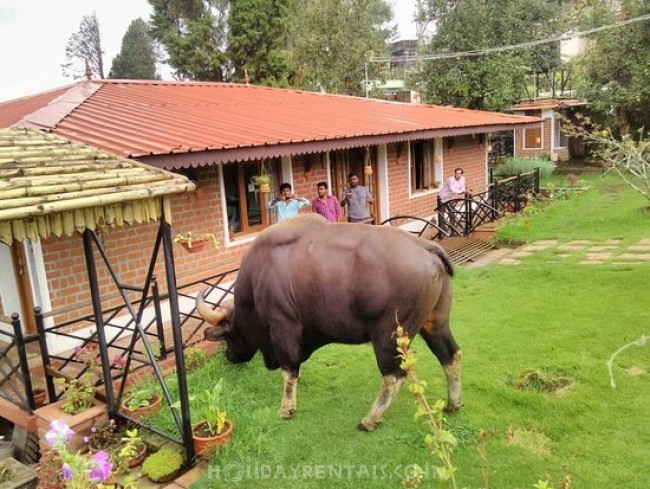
[{"x": 287, "y": 205}]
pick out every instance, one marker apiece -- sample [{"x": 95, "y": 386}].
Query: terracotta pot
[
  {"x": 139, "y": 458},
  {"x": 155, "y": 403},
  {"x": 39, "y": 397},
  {"x": 196, "y": 246},
  {"x": 265, "y": 188},
  {"x": 205, "y": 446}
]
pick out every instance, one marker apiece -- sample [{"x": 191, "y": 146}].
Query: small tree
[
  {"x": 628, "y": 155},
  {"x": 83, "y": 50},
  {"x": 138, "y": 56}
]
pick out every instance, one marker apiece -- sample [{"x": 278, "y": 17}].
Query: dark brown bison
[{"x": 305, "y": 283}]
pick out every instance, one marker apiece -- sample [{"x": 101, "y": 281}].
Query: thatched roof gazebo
[{"x": 50, "y": 186}]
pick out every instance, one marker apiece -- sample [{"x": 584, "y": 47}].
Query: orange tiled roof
[
  {"x": 549, "y": 104},
  {"x": 141, "y": 118}
]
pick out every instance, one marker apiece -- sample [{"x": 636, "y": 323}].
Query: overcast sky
[{"x": 33, "y": 35}]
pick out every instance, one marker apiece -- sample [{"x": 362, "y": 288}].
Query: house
[
  {"x": 222, "y": 135},
  {"x": 548, "y": 140}
]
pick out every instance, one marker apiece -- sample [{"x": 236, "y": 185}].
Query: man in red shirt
[{"x": 326, "y": 205}]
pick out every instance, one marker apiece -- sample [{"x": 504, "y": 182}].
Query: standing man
[
  {"x": 357, "y": 197},
  {"x": 287, "y": 205},
  {"x": 326, "y": 205}
]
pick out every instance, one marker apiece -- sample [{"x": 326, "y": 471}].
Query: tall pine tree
[
  {"x": 83, "y": 51},
  {"x": 258, "y": 41},
  {"x": 137, "y": 58}
]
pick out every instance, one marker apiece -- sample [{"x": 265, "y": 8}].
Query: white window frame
[{"x": 435, "y": 167}]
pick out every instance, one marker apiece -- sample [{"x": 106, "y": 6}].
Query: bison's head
[{"x": 223, "y": 328}]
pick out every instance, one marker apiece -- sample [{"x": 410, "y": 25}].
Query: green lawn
[{"x": 553, "y": 315}]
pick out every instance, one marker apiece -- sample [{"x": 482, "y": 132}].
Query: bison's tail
[
  {"x": 444, "y": 257},
  {"x": 439, "y": 251}
]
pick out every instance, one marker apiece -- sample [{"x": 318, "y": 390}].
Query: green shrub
[
  {"x": 162, "y": 464},
  {"x": 512, "y": 166},
  {"x": 195, "y": 357}
]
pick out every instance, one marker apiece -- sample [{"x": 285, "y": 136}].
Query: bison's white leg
[
  {"x": 288, "y": 406},
  {"x": 389, "y": 388},
  {"x": 454, "y": 390}
]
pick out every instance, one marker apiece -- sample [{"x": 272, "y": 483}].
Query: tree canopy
[
  {"x": 613, "y": 74},
  {"x": 333, "y": 38},
  {"x": 258, "y": 41},
  {"x": 138, "y": 56},
  {"x": 194, "y": 34},
  {"x": 492, "y": 81},
  {"x": 83, "y": 51}
]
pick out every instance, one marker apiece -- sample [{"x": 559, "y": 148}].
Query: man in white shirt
[{"x": 454, "y": 187}]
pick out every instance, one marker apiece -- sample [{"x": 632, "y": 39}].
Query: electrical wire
[{"x": 497, "y": 49}]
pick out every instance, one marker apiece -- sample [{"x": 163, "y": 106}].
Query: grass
[{"x": 537, "y": 323}]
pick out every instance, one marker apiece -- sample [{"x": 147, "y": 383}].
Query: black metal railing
[
  {"x": 15, "y": 379},
  {"x": 511, "y": 194}
]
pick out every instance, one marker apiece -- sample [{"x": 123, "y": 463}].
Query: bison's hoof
[
  {"x": 452, "y": 408},
  {"x": 367, "y": 426},
  {"x": 287, "y": 413}
]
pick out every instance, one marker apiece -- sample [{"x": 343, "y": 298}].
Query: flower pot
[
  {"x": 265, "y": 188},
  {"x": 79, "y": 423},
  {"x": 205, "y": 446},
  {"x": 139, "y": 458},
  {"x": 367, "y": 170},
  {"x": 155, "y": 403},
  {"x": 197, "y": 246},
  {"x": 39, "y": 397}
]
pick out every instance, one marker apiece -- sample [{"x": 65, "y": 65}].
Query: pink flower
[
  {"x": 100, "y": 467},
  {"x": 58, "y": 434},
  {"x": 66, "y": 472}
]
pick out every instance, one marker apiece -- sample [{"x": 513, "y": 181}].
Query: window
[
  {"x": 561, "y": 138},
  {"x": 425, "y": 171},
  {"x": 245, "y": 205},
  {"x": 533, "y": 136}
]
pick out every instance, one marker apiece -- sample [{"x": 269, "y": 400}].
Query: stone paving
[{"x": 611, "y": 251}]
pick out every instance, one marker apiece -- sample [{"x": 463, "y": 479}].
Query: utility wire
[{"x": 497, "y": 49}]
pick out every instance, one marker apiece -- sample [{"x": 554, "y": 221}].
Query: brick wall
[
  {"x": 547, "y": 140},
  {"x": 466, "y": 152},
  {"x": 129, "y": 248}
]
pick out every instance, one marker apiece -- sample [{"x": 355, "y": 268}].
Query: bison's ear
[{"x": 218, "y": 333}]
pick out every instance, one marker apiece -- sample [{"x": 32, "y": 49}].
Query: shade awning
[{"x": 53, "y": 186}]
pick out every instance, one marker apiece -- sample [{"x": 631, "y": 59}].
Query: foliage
[
  {"x": 190, "y": 237},
  {"x": 139, "y": 397},
  {"x": 79, "y": 471},
  {"x": 162, "y": 464},
  {"x": 212, "y": 409},
  {"x": 6, "y": 475},
  {"x": 258, "y": 41},
  {"x": 260, "y": 180},
  {"x": 79, "y": 393},
  {"x": 83, "y": 51},
  {"x": 194, "y": 34},
  {"x": 515, "y": 165},
  {"x": 493, "y": 81},
  {"x": 613, "y": 73},
  {"x": 130, "y": 446},
  {"x": 194, "y": 358},
  {"x": 332, "y": 39},
  {"x": 103, "y": 436},
  {"x": 138, "y": 56},
  {"x": 439, "y": 440},
  {"x": 628, "y": 156}
]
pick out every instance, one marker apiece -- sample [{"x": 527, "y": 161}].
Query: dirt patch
[
  {"x": 532, "y": 441},
  {"x": 635, "y": 371},
  {"x": 541, "y": 381}
]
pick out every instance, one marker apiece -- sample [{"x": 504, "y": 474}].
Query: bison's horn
[{"x": 212, "y": 316}]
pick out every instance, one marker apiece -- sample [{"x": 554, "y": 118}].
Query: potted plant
[
  {"x": 79, "y": 393},
  {"x": 132, "y": 450},
  {"x": 103, "y": 437},
  {"x": 14, "y": 474},
  {"x": 141, "y": 402},
  {"x": 163, "y": 466},
  {"x": 215, "y": 429},
  {"x": 194, "y": 357},
  {"x": 194, "y": 242},
  {"x": 263, "y": 182}
]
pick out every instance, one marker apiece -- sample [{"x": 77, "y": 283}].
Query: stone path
[{"x": 611, "y": 251}]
